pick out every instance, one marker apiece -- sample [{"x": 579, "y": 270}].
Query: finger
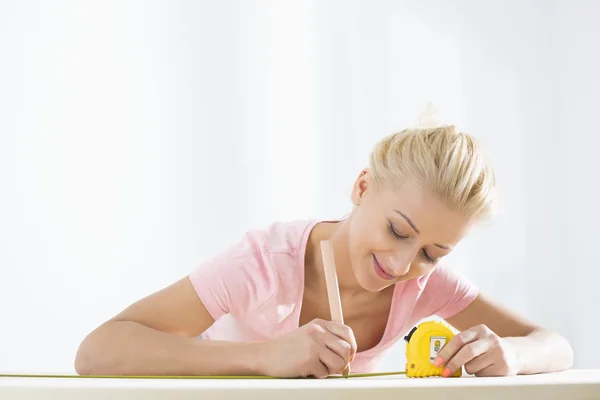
[
  {"x": 321, "y": 370},
  {"x": 343, "y": 332},
  {"x": 455, "y": 344},
  {"x": 467, "y": 353},
  {"x": 490, "y": 370},
  {"x": 339, "y": 347},
  {"x": 498, "y": 367},
  {"x": 479, "y": 363},
  {"x": 333, "y": 361}
]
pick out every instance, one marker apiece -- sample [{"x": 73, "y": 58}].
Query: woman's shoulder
[
  {"x": 277, "y": 238},
  {"x": 284, "y": 237},
  {"x": 446, "y": 291},
  {"x": 258, "y": 266}
]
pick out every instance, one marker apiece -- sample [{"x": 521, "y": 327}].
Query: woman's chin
[{"x": 370, "y": 282}]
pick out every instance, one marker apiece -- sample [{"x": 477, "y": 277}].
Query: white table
[{"x": 572, "y": 385}]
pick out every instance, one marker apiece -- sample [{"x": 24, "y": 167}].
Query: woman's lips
[{"x": 380, "y": 271}]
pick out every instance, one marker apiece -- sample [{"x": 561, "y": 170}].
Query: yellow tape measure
[{"x": 423, "y": 344}]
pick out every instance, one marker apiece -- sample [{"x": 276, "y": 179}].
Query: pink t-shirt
[{"x": 254, "y": 291}]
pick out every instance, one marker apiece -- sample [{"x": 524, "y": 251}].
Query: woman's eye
[
  {"x": 394, "y": 233},
  {"x": 429, "y": 258},
  {"x": 398, "y": 236}
]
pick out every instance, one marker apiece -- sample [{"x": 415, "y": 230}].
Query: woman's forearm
[
  {"x": 130, "y": 348},
  {"x": 542, "y": 351}
]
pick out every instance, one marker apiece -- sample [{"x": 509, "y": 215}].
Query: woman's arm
[
  {"x": 157, "y": 336},
  {"x": 497, "y": 341}
]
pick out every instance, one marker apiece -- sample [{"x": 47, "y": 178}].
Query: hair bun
[{"x": 429, "y": 117}]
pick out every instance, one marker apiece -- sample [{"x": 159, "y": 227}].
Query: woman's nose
[{"x": 400, "y": 263}]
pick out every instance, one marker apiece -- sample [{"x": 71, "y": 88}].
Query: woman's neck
[{"x": 337, "y": 234}]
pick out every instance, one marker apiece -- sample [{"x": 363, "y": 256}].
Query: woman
[{"x": 262, "y": 308}]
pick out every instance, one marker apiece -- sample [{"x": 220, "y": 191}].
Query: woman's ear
[{"x": 360, "y": 186}]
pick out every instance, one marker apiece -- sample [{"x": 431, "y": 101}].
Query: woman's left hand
[{"x": 481, "y": 352}]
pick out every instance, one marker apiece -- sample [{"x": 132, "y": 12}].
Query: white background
[{"x": 139, "y": 138}]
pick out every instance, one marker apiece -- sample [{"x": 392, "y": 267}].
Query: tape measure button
[{"x": 407, "y": 337}]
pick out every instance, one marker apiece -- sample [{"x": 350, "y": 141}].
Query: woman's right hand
[{"x": 319, "y": 348}]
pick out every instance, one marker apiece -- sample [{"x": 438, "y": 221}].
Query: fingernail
[
  {"x": 438, "y": 361},
  {"x": 446, "y": 373}
]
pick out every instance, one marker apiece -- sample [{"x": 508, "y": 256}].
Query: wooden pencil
[{"x": 333, "y": 290}]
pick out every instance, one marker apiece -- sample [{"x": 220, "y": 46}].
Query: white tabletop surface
[{"x": 573, "y": 384}]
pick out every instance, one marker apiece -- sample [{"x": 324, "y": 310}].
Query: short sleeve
[
  {"x": 448, "y": 292},
  {"x": 237, "y": 280}
]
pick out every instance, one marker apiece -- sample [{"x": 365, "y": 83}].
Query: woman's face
[{"x": 398, "y": 233}]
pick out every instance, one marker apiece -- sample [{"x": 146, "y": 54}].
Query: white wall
[
  {"x": 138, "y": 138},
  {"x": 578, "y": 82}
]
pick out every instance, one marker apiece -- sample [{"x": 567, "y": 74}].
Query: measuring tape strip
[{"x": 357, "y": 375}]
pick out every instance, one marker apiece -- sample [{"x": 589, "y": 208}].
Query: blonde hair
[{"x": 451, "y": 165}]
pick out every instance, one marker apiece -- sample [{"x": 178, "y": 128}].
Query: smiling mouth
[{"x": 381, "y": 271}]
